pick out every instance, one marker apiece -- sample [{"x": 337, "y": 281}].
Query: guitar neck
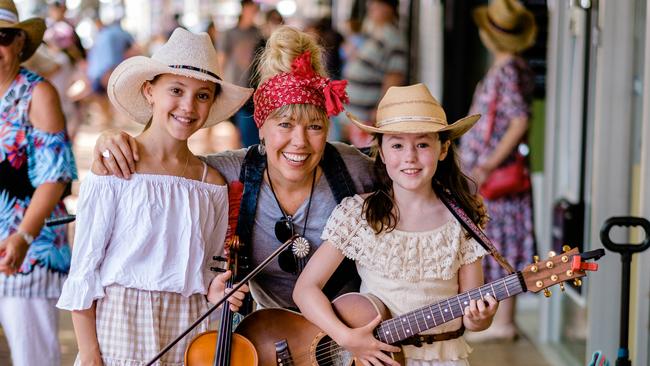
[{"x": 417, "y": 321}]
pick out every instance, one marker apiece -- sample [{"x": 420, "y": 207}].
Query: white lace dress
[{"x": 406, "y": 271}]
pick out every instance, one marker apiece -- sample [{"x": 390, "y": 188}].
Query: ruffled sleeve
[
  {"x": 95, "y": 218},
  {"x": 50, "y": 158},
  {"x": 470, "y": 250},
  {"x": 342, "y": 226}
]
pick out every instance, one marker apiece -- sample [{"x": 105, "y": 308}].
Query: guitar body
[
  {"x": 285, "y": 338},
  {"x": 307, "y": 343},
  {"x": 200, "y": 351}
]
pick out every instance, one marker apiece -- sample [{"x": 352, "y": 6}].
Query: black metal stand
[{"x": 626, "y": 251}]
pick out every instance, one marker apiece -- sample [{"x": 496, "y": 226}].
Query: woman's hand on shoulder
[
  {"x": 478, "y": 315},
  {"x": 365, "y": 347},
  {"x": 45, "y": 112},
  {"x": 218, "y": 289},
  {"x": 115, "y": 153}
]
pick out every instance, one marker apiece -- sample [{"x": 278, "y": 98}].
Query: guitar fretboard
[{"x": 417, "y": 321}]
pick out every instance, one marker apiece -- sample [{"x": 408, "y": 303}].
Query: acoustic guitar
[{"x": 284, "y": 337}]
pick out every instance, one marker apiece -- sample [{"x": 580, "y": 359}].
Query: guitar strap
[{"x": 448, "y": 199}]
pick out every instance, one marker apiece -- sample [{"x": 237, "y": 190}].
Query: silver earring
[{"x": 261, "y": 148}]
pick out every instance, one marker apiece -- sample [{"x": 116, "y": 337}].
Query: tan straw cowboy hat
[
  {"x": 412, "y": 109},
  {"x": 506, "y": 25},
  {"x": 33, "y": 27},
  {"x": 185, "y": 54}
]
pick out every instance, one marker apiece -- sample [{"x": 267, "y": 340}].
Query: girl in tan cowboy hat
[
  {"x": 409, "y": 249},
  {"x": 503, "y": 97},
  {"x": 144, "y": 246}
]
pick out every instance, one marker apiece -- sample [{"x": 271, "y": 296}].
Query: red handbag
[{"x": 510, "y": 179}]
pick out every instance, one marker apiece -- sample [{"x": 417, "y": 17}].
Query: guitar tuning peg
[
  {"x": 566, "y": 248},
  {"x": 219, "y": 258},
  {"x": 562, "y": 286},
  {"x": 535, "y": 258},
  {"x": 577, "y": 282},
  {"x": 217, "y": 269},
  {"x": 551, "y": 254},
  {"x": 547, "y": 292}
]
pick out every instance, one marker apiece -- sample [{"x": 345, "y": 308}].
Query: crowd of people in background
[{"x": 292, "y": 146}]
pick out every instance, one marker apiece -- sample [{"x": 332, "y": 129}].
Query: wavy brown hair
[{"x": 379, "y": 207}]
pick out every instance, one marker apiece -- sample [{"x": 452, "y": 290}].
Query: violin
[{"x": 223, "y": 347}]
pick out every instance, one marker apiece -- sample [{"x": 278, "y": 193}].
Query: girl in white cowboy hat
[
  {"x": 409, "y": 249},
  {"x": 296, "y": 176},
  {"x": 140, "y": 266},
  {"x": 503, "y": 97}
]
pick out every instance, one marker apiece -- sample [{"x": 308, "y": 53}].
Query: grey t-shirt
[{"x": 273, "y": 287}]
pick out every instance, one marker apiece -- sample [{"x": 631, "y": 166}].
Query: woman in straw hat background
[
  {"x": 36, "y": 163},
  {"x": 140, "y": 266},
  {"x": 503, "y": 98},
  {"x": 409, "y": 249},
  {"x": 295, "y": 177}
]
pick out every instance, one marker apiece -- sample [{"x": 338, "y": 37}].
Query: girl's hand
[
  {"x": 478, "y": 316},
  {"x": 122, "y": 154},
  {"x": 90, "y": 359},
  {"x": 218, "y": 289},
  {"x": 366, "y": 348},
  {"x": 12, "y": 253}
]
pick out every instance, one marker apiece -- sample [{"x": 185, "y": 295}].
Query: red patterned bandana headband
[{"x": 300, "y": 86}]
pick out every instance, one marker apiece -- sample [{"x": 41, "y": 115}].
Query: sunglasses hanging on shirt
[{"x": 293, "y": 259}]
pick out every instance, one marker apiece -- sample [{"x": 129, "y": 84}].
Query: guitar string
[
  {"x": 335, "y": 349},
  {"x": 321, "y": 347},
  {"x": 418, "y": 314}
]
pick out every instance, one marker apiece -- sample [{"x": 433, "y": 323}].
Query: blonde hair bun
[{"x": 285, "y": 44}]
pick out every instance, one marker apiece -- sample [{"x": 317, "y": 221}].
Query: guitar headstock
[{"x": 559, "y": 268}]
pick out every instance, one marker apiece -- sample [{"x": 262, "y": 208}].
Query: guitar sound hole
[{"x": 328, "y": 353}]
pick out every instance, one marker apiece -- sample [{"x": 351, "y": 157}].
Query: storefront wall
[{"x": 597, "y": 94}]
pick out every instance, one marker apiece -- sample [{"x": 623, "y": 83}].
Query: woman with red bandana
[{"x": 294, "y": 178}]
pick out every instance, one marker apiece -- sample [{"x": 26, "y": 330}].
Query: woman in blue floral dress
[
  {"x": 36, "y": 164},
  {"x": 503, "y": 99}
]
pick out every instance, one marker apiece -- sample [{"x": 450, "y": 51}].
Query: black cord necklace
[{"x": 301, "y": 246}]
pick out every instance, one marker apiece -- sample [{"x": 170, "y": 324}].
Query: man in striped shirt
[{"x": 379, "y": 63}]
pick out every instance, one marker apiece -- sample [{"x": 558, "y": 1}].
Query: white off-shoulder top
[
  {"x": 406, "y": 270},
  {"x": 152, "y": 232}
]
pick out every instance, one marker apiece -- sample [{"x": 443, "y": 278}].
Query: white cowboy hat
[
  {"x": 185, "y": 54},
  {"x": 33, "y": 27},
  {"x": 412, "y": 109}
]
